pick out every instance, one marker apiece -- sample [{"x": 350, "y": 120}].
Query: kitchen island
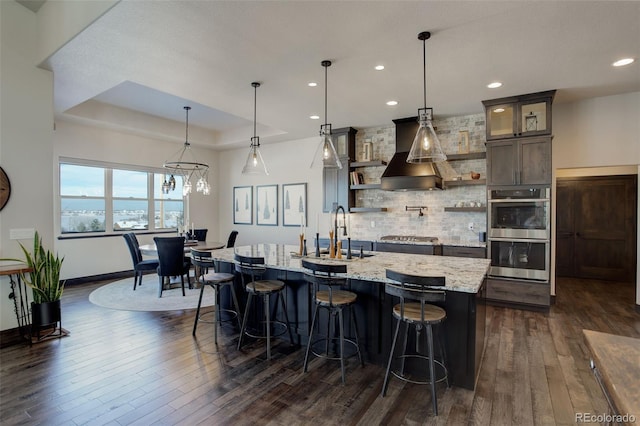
[{"x": 464, "y": 287}]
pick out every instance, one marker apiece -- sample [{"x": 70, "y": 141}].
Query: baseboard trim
[{"x": 100, "y": 277}]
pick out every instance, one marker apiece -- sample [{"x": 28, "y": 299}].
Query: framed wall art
[
  {"x": 463, "y": 142},
  {"x": 267, "y": 205},
  {"x": 294, "y": 204},
  {"x": 243, "y": 205}
]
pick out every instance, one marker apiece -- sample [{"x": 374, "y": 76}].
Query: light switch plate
[{"x": 21, "y": 234}]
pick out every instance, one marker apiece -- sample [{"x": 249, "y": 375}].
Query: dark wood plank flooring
[{"x": 143, "y": 368}]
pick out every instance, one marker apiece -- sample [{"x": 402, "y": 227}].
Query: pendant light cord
[
  {"x": 255, "y": 103},
  {"x": 186, "y": 132},
  {"x": 424, "y": 70},
  {"x": 325, "y": 96}
]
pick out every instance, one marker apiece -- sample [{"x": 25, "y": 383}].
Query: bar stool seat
[
  {"x": 412, "y": 313},
  {"x": 334, "y": 300},
  {"x": 338, "y": 297},
  {"x": 254, "y": 267},
  {"x": 203, "y": 262},
  {"x": 414, "y": 291},
  {"x": 264, "y": 286}
]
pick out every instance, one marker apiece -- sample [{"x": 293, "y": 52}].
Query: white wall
[
  {"x": 287, "y": 162},
  {"x": 26, "y": 123},
  {"x": 592, "y": 138},
  {"x": 93, "y": 256}
]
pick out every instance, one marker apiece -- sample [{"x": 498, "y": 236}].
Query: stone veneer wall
[{"x": 449, "y": 226}]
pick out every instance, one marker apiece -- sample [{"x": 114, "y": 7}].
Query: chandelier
[{"x": 184, "y": 163}]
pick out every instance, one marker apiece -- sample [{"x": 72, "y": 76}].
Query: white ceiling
[{"x": 155, "y": 57}]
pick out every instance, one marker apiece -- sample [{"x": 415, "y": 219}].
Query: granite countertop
[
  {"x": 617, "y": 359},
  {"x": 440, "y": 242},
  {"x": 462, "y": 274}
]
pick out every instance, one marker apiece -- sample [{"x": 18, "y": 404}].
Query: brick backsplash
[{"x": 452, "y": 226}]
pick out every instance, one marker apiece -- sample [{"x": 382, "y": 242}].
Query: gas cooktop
[{"x": 414, "y": 238}]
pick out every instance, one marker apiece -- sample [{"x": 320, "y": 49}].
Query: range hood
[{"x": 402, "y": 176}]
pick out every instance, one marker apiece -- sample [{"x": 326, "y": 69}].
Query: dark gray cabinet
[
  {"x": 519, "y": 116},
  {"x": 408, "y": 248},
  {"x": 523, "y": 161},
  {"x": 335, "y": 182},
  {"x": 460, "y": 251},
  {"x": 510, "y": 292}
]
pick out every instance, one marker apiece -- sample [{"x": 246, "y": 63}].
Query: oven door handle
[
  {"x": 518, "y": 200},
  {"x": 520, "y": 240}
]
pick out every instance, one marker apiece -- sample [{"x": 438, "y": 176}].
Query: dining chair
[
  {"x": 200, "y": 234},
  {"x": 172, "y": 261},
  {"x": 140, "y": 266},
  {"x": 232, "y": 239}
]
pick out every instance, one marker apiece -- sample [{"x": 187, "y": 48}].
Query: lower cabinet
[
  {"x": 408, "y": 248},
  {"x": 459, "y": 251},
  {"x": 519, "y": 292}
]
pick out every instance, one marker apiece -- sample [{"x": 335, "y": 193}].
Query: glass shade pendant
[
  {"x": 255, "y": 164},
  {"x": 326, "y": 153},
  {"x": 426, "y": 145}
]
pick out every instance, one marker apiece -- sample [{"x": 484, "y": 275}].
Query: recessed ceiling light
[
  {"x": 392, "y": 103},
  {"x": 314, "y": 117},
  {"x": 379, "y": 67},
  {"x": 494, "y": 85},
  {"x": 313, "y": 84},
  {"x": 623, "y": 62},
  {"x": 498, "y": 110}
]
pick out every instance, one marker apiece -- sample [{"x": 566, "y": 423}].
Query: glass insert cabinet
[{"x": 527, "y": 115}]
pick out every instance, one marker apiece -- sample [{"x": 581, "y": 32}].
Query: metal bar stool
[
  {"x": 202, "y": 262},
  {"x": 334, "y": 301},
  {"x": 419, "y": 313},
  {"x": 255, "y": 267}
]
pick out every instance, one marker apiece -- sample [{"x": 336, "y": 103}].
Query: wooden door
[{"x": 596, "y": 227}]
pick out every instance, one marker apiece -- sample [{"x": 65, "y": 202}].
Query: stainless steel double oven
[{"x": 519, "y": 234}]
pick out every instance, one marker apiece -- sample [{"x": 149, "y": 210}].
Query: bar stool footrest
[
  {"x": 337, "y": 357},
  {"x": 439, "y": 365},
  {"x": 230, "y": 312},
  {"x": 253, "y": 332}
]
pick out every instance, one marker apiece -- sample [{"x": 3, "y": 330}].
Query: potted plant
[{"x": 44, "y": 280}]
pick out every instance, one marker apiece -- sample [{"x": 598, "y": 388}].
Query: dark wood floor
[{"x": 122, "y": 368}]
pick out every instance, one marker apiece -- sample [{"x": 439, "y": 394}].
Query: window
[
  {"x": 101, "y": 198},
  {"x": 82, "y": 198}
]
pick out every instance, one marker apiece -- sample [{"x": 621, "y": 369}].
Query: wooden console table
[{"x": 20, "y": 295}]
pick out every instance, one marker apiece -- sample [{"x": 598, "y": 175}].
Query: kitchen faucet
[{"x": 336, "y": 227}]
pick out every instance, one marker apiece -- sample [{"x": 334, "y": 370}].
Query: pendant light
[
  {"x": 326, "y": 152},
  {"x": 426, "y": 146},
  {"x": 185, "y": 163},
  {"x": 255, "y": 164}
]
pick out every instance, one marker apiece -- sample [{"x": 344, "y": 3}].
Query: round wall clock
[{"x": 5, "y": 188}]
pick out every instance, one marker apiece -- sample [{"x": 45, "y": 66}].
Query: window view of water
[{"x": 89, "y": 215}]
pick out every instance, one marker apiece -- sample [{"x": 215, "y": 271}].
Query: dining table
[{"x": 152, "y": 250}]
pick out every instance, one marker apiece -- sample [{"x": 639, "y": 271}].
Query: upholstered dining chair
[
  {"x": 140, "y": 266},
  {"x": 232, "y": 239},
  {"x": 200, "y": 234},
  {"x": 172, "y": 261}
]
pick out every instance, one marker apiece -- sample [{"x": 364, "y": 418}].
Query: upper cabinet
[
  {"x": 519, "y": 116},
  {"x": 336, "y": 181},
  {"x": 524, "y": 161}
]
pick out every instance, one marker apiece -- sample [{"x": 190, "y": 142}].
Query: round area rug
[{"x": 120, "y": 295}]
